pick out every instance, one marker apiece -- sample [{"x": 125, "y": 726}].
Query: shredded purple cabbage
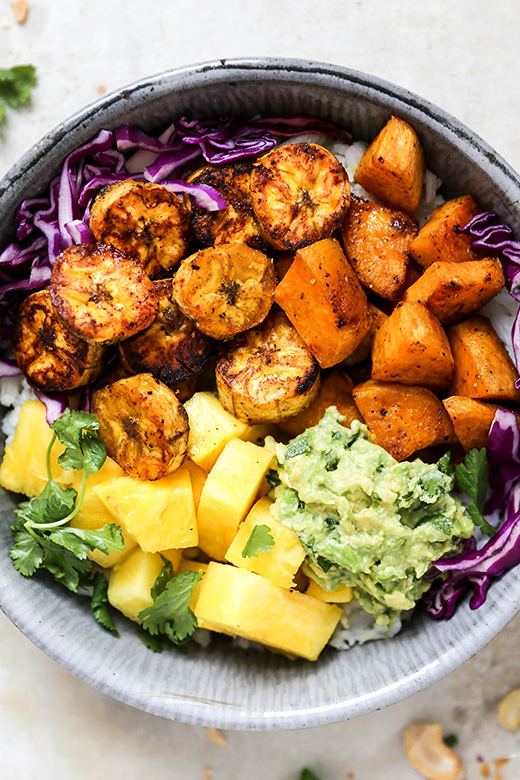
[{"x": 476, "y": 568}]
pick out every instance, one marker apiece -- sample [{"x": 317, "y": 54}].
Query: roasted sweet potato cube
[
  {"x": 441, "y": 239},
  {"x": 376, "y": 241},
  {"x": 392, "y": 167},
  {"x": 322, "y": 297},
  {"x": 363, "y": 351},
  {"x": 471, "y": 419},
  {"x": 411, "y": 347},
  {"x": 403, "y": 418},
  {"x": 483, "y": 367},
  {"x": 336, "y": 390},
  {"x": 453, "y": 291}
]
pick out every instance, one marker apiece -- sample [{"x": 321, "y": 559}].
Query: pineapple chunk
[
  {"x": 228, "y": 494},
  {"x": 240, "y": 602},
  {"x": 198, "y": 478},
  {"x": 159, "y": 515},
  {"x": 340, "y": 595},
  {"x": 24, "y": 467},
  {"x": 131, "y": 581},
  {"x": 175, "y": 558},
  {"x": 284, "y": 558},
  {"x": 211, "y": 427}
]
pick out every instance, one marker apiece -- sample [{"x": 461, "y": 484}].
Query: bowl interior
[{"x": 223, "y": 685}]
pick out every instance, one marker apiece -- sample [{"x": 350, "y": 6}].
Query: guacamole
[{"x": 363, "y": 518}]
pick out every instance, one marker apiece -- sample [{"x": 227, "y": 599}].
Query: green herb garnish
[
  {"x": 99, "y": 602},
  {"x": 306, "y": 774},
  {"x": 41, "y": 539},
  {"x": 260, "y": 541},
  {"x": 15, "y": 86},
  {"x": 451, "y": 740},
  {"x": 170, "y": 619},
  {"x": 472, "y": 479}
]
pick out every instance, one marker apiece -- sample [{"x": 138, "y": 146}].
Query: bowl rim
[{"x": 86, "y": 122}]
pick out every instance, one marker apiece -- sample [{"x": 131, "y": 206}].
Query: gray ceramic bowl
[{"x": 225, "y": 686}]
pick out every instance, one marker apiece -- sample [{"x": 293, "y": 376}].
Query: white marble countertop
[{"x": 463, "y": 57}]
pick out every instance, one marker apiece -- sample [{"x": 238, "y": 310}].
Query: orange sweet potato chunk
[
  {"x": 440, "y": 239},
  {"x": 322, "y": 297},
  {"x": 483, "y": 367},
  {"x": 471, "y": 419},
  {"x": 363, "y": 351},
  {"x": 392, "y": 168},
  {"x": 412, "y": 347},
  {"x": 376, "y": 241},
  {"x": 403, "y": 418},
  {"x": 336, "y": 390},
  {"x": 453, "y": 291}
]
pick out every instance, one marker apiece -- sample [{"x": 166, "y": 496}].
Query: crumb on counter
[
  {"x": 101, "y": 90},
  {"x": 216, "y": 736},
  {"x": 20, "y": 10},
  {"x": 207, "y": 773}
]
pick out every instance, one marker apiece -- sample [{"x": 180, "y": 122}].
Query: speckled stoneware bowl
[{"x": 222, "y": 685}]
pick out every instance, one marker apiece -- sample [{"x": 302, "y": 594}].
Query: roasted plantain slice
[
  {"x": 145, "y": 221},
  {"x": 171, "y": 348},
  {"x": 267, "y": 374},
  {"x": 49, "y": 354},
  {"x": 225, "y": 289},
  {"x": 143, "y": 424},
  {"x": 102, "y": 295},
  {"x": 237, "y": 222},
  {"x": 300, "y": 193}
]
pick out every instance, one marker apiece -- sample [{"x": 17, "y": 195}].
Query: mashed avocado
[{"x": 363, "y": 518}]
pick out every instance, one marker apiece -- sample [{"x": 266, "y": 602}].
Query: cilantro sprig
[
  {"x": 169, "y": 620},
  {"x": 42, "y": 538},
  {"x": 260, "y": 541},
  {"x": 472, "y": 479},
  {"x": 15, "y": 86}
]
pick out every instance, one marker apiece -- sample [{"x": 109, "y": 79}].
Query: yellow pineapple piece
[
  {"x": 229, "y": 493},
  {"x": 284, "y": 558},
  {"x": 24, "y": 469},
  {"x": 131, "y": 581},
  {"x": 211, "y": 427},
  {"x": 340, "y": 595},
  {"x": 198, "y": 478},
  {"x": 175, "y": 558},
  {"x": 241, "y": 602},
  {"x": 159, "y": 515}
]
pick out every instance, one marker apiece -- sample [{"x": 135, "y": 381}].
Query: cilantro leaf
[
  {"x": 65, "y": 567},
  {"x": 84, "y": 448},
  {"x": 163, "y": 578},
  {"x": 81, "y": 541},
  {"x": 99, "y": 602},
  {"x": 260, "y": 540},
  {"x": 445, "y": 464},
  {"x": 472, "y": 479},
  {"x": 306, "y": 774},
  {"x": 272, "y": 478},
  {"x": 16, "y": 83},
  {"x": 26, "y": 553},
  {"x": 170, "y": 613},
  {"x": 297, "y": 447},
  {"x": 52, "y": 505},
  {"x": 154, "y": 643}
]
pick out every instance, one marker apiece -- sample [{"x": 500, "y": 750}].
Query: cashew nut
[
  {"x": 429, "y": 755},
  {"x": 509, "y": 710}
]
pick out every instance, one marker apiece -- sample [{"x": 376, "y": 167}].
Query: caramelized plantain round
[
  {"x": 143, "y": 424},
  {"x": 300, "y": 194},
  {"x": 237, "y": 222},
  {"x": 267, "y": 374},
  {"x": 145, "y": 221},
  {"x": 101, "y": 294},
  {"x": 225, "y": 289},
  {"x": 47, "y": 352},
  {"x": 171, "y": 348}
]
